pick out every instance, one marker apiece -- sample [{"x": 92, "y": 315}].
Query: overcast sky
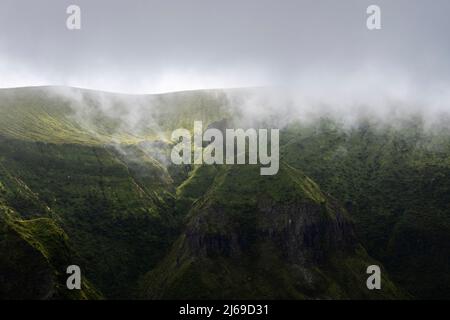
[{"x": 146, "y": 46}]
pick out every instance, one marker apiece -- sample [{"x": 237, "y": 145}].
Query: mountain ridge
[{"x": 102, "y": 178}]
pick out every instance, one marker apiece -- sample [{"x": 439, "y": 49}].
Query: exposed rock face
[
  {"x": 263, "y": 237},
  {"x": 304, "y": 235},
  {"x": 298, "y": 230}
]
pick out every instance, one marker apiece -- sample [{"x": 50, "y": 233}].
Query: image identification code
[{"x": 226, "y": 310}]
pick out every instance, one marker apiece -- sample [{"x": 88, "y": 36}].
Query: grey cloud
[{"x": 151, "y": 46}]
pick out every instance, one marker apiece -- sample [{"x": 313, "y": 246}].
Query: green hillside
[
  {"x": 395, "y": 181},
  {"x": 253, "y": 237},
  {"x": 85, "y": 179},
  {"x": 70, "y": 115},
  {"x": 117, "y": 214},
  {"x": 66, "y": 156},
  {"x": 35, "y": 253}
]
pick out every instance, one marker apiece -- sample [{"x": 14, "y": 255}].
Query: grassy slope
[
  {"x": 69, "y": 115},
  {"x": 114, "y": 201}
]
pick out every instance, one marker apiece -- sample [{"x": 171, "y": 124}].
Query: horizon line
[{"x": 135, "y": 94}]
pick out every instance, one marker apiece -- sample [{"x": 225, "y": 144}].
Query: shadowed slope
[{"x": 264, "y": 238}]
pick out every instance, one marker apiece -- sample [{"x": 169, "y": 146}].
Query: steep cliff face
[{"x": 264, "y": 237}]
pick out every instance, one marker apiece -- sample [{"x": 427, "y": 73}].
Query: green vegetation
[
  {"x": 117, "y": 215},
  {"x": 35, "y": 254},
  {"x": 395, "y": 182},
  {"x": 85, "y": 179},
  {"x": 254, "y": 237},
  {"x": 76, "y": 116},
  {"x": 73, "y": 163}
]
